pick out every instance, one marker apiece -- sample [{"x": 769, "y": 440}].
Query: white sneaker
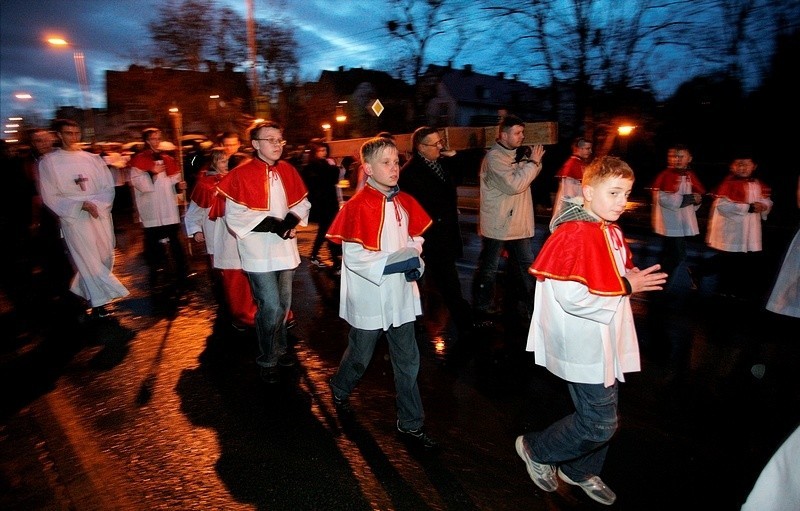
[
  {"x": 594, "y": 487},
  {"x": 544, "y": 476}
]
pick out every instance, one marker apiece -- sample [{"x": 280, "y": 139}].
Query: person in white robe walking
[{"x": 77, "y": 186}]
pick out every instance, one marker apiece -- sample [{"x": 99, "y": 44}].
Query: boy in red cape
[
  {"x": 582, "y": 328},
  {"x": 380, "y": 229}
]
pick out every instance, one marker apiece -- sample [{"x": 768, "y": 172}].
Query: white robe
[
  {"x": 669, "y": 218},
  {"x": 370, "y": 300},
  {"x": 156, "y": 201},
  {"x": 582, "y": 337},
  {"x": 67, "y": 180},
  {"x": 732, "y": 228},
  {"x": 265, "y": 251}
]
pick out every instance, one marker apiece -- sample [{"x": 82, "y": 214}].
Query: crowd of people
[{"x": 397, "y": 240}]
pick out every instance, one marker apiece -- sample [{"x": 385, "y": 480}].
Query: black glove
[
  {"x": 269, "y": 224},
  {"x": 285, "y": 227},
  {"x": 688, "y": 200},
  {"x": 412, "y": 275},
  {"x": 523, "y": 153}
]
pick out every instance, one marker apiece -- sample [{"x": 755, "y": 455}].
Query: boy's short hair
[
  {"x": 261, "y": 125},
  {"x": 604, "y": 168},
  {"x": 372, "y": 147},
  {"x": 59, "y": 124},
  {"x": 580, "y": 142},
  {"x": 218, "y": 154}
]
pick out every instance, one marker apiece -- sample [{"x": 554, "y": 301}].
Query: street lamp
[
  {"x": 326, "y": 128},
  {"x": 83, "y": 79}
]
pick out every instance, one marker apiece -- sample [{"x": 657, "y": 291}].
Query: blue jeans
[
  {"x": 578, "y": 443},
  {"x": 272, "y": 292},
  {"x": 520, "y": 259},
  {"x": 404, "y": 354}
]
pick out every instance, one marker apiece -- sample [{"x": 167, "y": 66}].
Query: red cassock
[{"x": 580, "y": 251}]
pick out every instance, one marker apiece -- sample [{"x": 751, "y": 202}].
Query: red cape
[
  {"x": 669, "y": 179},
  {"x": 362, "y": 217},
  {"x": 247, "y": 184},
  {"x": 573, "y": 168},
  {"x": 735, "y": 189},
  {"x": 579, "y": 251},
  {"x": 205, "y": 189},
  {"x": 143, "y": 160}
]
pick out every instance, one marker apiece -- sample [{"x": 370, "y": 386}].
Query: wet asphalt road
[{"x": 161, "y": 408}]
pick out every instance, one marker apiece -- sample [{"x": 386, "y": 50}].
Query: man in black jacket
[{"x": 427, "y": 178}]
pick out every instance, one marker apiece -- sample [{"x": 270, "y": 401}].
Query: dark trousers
[
  {"x": 334, "y": 248},
  {"x": 442, "y": 274},
  {"x": 155, "y": 254}
]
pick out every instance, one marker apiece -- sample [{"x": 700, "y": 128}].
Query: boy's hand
[{"x": 649, "y": 279}]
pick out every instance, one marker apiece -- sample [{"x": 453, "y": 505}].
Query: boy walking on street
[
  {"x": 582, "y": 329},
  {"x": 380, "y": 229}
]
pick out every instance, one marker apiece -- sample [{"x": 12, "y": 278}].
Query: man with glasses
[
  {"x": 77, "y": 186},
  {"x": 428, "y": 177},
  {"x": 265, "y": 199}
]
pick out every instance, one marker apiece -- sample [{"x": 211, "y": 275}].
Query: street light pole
[{"x": 83, "y": 82}]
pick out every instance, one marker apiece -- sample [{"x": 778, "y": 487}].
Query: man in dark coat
[{"x": 426, "y": 177}]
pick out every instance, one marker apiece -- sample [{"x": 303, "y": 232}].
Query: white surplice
[{"x": 67, "y": 180}]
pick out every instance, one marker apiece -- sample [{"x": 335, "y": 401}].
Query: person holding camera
[{"x": 506, "y": 215}]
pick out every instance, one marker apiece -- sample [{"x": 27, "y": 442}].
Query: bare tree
[
  {"x": 417, "y": 24},
  {"x": 181, "y": 36},
  {"x": 277, "y": 51}
]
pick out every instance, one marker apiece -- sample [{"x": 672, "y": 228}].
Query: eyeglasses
[
  {"x": 273, "y": 141},
  {"x": 439, "y": 143}
]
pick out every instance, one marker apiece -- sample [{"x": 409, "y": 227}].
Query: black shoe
[
  {"x": 270, "y": 374},
  {"x": 341, "y": 404},
  {"x": 101, "y": 312},
  {"x": 286, "y": 360},
  {"x": 417, "y": 437}
]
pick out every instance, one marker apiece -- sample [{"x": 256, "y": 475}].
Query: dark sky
[{"x": 113, "y": 35}]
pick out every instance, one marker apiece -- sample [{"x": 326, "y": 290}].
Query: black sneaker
[
  {"x": 270, "y": 374},
  {"x": 101, "y": 312},
  {"x": 418, "y": 437}
]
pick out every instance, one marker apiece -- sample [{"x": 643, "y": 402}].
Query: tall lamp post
[
  {"x": 177, "y": 126},
  {"x": 83, "y": 80}
]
